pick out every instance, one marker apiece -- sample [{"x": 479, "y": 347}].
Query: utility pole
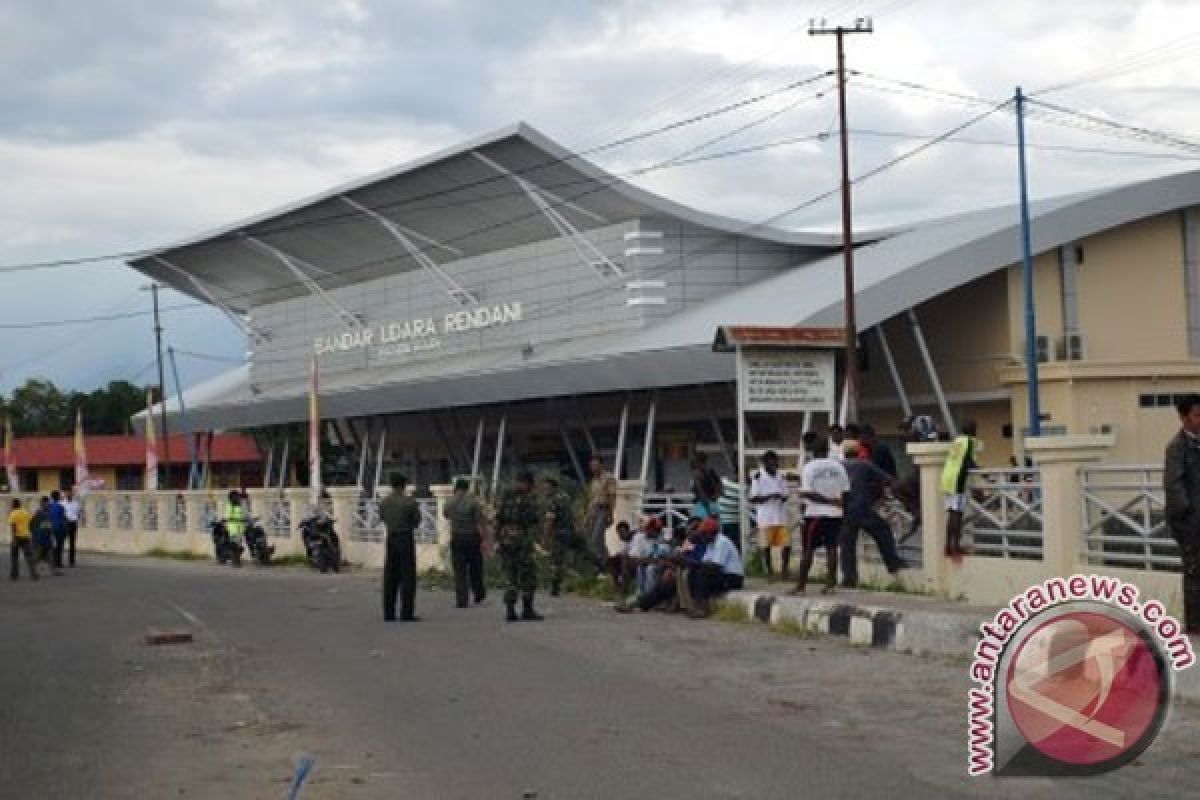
[
  {"x": 162, "y": 389},
  {"x": 861, "y": 25},
  {"x": 1031, "y": 355}
]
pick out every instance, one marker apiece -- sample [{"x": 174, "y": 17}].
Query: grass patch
[
  {"x": 786, "y": 626},
  {"x": 293, "y": 560},
  {"x": 176, "y": 555},
  {"x": 895, "y": 586},
  {"x": 731, "y": 612}
]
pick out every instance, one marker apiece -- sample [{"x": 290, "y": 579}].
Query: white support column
[
  {"x": 919, "y": 335},
  {"x": 478, "y": 453},
  {"x": 905, "y": 406},
  {"x": 622, "y": 427},
  {"x": 499, "y": 452},
  {"x": 740, "y": 450},
  {"x": 379, "y": 459},
  {"x": 648, "y": 439},
  {"x": 715, "y": 422}
]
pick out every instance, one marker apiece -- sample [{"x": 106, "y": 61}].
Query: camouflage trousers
[{"x": 517, "y": 565}]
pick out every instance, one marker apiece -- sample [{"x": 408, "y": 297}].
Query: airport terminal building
[{"x": 507, "y": 285}]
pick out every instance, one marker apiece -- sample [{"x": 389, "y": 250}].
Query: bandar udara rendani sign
[{"x": 421, "y": 333}]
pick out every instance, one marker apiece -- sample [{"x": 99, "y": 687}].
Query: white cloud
[{"x": 154, "y": 121}]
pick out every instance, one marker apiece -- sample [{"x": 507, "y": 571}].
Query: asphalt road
[{"x": 587, "y": 704}]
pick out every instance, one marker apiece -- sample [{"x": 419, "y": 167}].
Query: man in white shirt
[
  {"x": 719, "y": 572},
  {"x": 823, "y": 485},
  {"x": 768, "y": 492},
  {"x": 71, "y": 511}
]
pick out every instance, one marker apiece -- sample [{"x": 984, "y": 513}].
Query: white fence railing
[
  {"x": 368, "y": 527},
  {"x": 427, "y": 532},
  {"x": 1123, "y": 519},
  {"x": 1004, "y": 513},
  {"x": 673, "y": 508}
]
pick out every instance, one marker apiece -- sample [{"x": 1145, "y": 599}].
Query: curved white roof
[{"x": 453, "y": 204}]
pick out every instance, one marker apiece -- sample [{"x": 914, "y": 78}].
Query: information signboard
[{"x": 786, "y": 380}]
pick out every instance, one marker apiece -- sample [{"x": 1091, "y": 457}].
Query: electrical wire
[
  {"x": 57, "y": 323},
  {"x": 1134, "y": 62}
]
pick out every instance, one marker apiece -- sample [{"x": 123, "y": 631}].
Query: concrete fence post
[
  {"x": 930, "y": 459},
  {"x": 628, "y": 509},
  {"x": 297, "y": 500},
  {"x": 198, "y": 538},
  {"x": 345, "y": 502},
  {"x": 442, "y": 494},
  {"x": 1059, "y": 458}
]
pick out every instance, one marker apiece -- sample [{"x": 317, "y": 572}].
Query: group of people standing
[
  {"x": 842, "y": 483},
  {"x": 524, "y": 518},
  {"x": 46, "y": 535}
]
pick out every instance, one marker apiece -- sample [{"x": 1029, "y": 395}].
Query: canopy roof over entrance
[{"x": 474, "y": 198}]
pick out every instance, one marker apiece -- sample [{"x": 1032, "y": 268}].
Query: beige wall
[
  {"x": 1132, "y": 315},
  {"x": 1131, "y": 292}
]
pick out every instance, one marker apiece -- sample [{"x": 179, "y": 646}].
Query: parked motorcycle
[
  {"x": 225, "y": 547},
  {"x": 321, "y": 544},
  {"x": 256, "y": 542}
]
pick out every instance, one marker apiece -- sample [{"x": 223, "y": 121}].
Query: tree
[{"x": 39, "y": 408}]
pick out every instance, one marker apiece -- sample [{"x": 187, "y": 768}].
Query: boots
[
  {"x": 527, "y": 611},
  {"x": 510, "y": 603}
]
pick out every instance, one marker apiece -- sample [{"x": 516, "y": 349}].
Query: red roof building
[{"x": 48, "y": 462}]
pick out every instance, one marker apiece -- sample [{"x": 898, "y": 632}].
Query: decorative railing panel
[{"x": 1124, "y": 522}]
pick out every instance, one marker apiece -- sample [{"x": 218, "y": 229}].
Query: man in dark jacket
[
  {"x": 1181, "y": 490},
  {"x": 466, "y": 543},
  {"x": 402, "y": 517}
]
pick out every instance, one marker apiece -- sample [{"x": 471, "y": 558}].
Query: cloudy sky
[{"x": 131, "y": 123}]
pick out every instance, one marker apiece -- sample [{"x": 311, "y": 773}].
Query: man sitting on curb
[{"x": 719, "y": 572}]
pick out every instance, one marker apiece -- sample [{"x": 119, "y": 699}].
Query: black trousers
[
  {"x": 663, "y": 590},
  {"x": 72, "y": 534},
  {"x": 877, "y": 528},
  {"x": 19, "y": 547},
  {"x": 466, "y": 558},
  {"x": 400, "y": 576},
  {"x": 707, "y": 581},
  {"x": 60, "y": 541}
]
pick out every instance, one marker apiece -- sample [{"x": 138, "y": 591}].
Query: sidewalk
[{"x": 905, "y": 623}]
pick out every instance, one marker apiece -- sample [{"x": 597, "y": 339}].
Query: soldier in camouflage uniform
[
  {"x": 561, "y": 536},
  {"x": 1181, "y": 490},
  {"x": 516, "y": 525}
]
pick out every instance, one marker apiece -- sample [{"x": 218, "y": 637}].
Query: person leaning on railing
[{"x": 1181, "y": 490}]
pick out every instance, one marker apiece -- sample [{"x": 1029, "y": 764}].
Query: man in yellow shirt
[{"x": 22, "y": 541}]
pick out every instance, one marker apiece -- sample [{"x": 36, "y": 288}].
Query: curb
[{"x": 914, "y": 632}]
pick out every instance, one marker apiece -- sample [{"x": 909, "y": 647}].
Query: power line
[
  {"x": 1159, "y": 54},
  {"x": 56, "y": 323},
  {"x": 1002, "y": 143}
]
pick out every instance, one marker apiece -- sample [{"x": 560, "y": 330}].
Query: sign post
[{"x": 780, "y": 370}]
